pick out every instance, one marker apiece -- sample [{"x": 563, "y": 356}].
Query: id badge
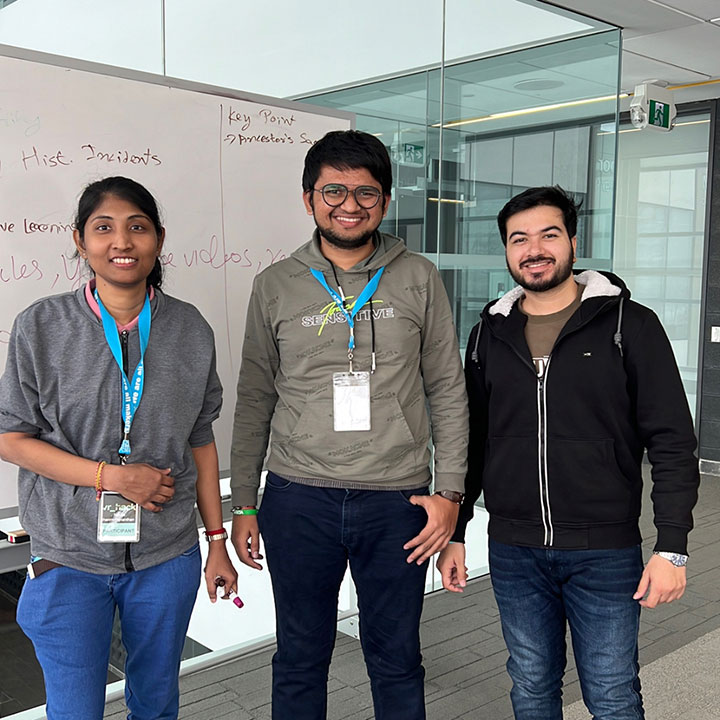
[
  {"x": 118, "y": 519},
  {"x": 351, "y": 401}
]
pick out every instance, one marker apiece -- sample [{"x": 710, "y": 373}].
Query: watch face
[
  {"x": 676, "y": 559},
  {"x": 456, "y": 497}
]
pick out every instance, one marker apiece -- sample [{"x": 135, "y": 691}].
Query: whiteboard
[{"x": 225, "y": 167}]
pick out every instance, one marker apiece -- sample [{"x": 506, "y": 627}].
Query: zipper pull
[{"x": 540, "y": 365}]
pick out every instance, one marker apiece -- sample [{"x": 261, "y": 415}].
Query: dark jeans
[
  {"x": 310, "y": 535},
  {"x": 538, "y": 591}
]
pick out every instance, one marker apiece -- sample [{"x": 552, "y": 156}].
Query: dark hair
[
  {"x": 348, "y": 150},
  {"x": 534, "y": 197},
  {"x": 130, "y": 191}
]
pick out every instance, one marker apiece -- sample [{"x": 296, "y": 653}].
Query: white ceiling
[{"x": 674, "y": 40}]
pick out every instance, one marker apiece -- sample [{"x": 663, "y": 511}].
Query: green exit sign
[
  {"x": 412, "y": 154},
  {"x": 659, "y": 114}
]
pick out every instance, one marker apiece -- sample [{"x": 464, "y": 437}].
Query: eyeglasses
[{"x": 334, "y": 195}]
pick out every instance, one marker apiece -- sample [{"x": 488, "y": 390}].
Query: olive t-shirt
[{"x": 541, "y": 331}]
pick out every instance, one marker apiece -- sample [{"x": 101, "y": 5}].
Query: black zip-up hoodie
[{"x": 558, "y": 457}]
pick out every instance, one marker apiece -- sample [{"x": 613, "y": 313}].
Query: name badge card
[
  {"x": 351, "y": 401},
  {"x": 118, "y": 519}
]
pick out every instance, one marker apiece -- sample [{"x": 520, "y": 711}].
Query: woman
[{"x": 106, "y": 405}]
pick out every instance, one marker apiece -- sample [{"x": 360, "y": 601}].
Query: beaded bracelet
[
  {"x": 98, "y": 480},
  {"x": 244, "y": 510}
]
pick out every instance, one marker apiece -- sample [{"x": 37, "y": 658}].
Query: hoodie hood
[
  {"x": 598, "y": 284},
  {"x": 387, "y": 248}
]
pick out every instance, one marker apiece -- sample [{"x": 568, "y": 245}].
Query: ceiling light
[
  {"x": 627, "y": 130},
  {"x": 538, "y": 84},
  {"x": 446, "y": 200},
  {"x": 530, "y": 111}
]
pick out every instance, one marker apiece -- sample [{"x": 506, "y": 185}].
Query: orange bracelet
[{"x": 98, "y": 480}]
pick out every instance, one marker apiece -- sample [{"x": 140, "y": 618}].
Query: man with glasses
[{"x": 351, "y": 360}]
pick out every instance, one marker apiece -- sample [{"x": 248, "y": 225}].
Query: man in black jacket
[{"x": 569, "y": 381}]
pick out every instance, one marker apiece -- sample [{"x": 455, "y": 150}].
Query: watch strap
[
  {"x": 452, "y": 495},
  {"x": 215, "y": 536},
  {"x": 677, "y": 559}
]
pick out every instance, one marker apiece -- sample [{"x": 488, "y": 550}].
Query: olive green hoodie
[{"x": 296, "y": 338}]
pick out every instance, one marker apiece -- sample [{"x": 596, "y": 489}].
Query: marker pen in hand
[{"x": 220, "y": 582}]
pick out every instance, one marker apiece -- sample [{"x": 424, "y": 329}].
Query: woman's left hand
[{"x": 219, "y": 572}]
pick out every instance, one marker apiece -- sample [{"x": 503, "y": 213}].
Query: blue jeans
[
  {"x": 310, "y": 535},
  {"x": 538, "y": 591},
  {"x": 68, "y": 615}
]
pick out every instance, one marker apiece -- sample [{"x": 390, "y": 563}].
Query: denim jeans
[
  {"x": 68, "y": 614},
  {"x": 310, "y": 535},
  {"x": 538, "y": 592}
]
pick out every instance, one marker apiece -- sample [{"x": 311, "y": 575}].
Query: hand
[
  {"x": 661, "y": 582},
  {"x": 246, "y": 540},
  {"x": 148, "y": 486},
  {"x": 442, "y": 517},
  {"x": 451, "y": 565},
  {"x": 219, "y": 571}
]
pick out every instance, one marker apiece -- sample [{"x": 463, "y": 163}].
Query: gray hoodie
[
  {"x": 295, "y": 339},
  {"x": 62, "y": 385}
]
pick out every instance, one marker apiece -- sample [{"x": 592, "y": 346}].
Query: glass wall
[
  {"x": 660, "y": 229},
  {"x": 283, "y": 48}
]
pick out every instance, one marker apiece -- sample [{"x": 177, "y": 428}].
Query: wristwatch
[
  {"x": 456, "y": 497},
  {"x": 217, "y": 535},
  {"x": 677, "y": 559}
]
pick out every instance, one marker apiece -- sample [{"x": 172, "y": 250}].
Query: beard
[
  {"x": 562, "y": 271},
  {"x": 345, "y": 243},
  {"x": 345, "y": 240}
]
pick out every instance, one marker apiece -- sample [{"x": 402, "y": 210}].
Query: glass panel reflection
[{"x": 662, "y": 184}]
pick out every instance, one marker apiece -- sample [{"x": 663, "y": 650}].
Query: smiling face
[
  {"x": 120, "y": 243},
  {"x": 347, "y": 226},
  {"x": 539, "y": 252}
]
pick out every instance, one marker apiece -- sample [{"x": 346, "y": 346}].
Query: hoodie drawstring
[
  {"x": 474, "y": 354},
  {"x": 617, "y": 337}
]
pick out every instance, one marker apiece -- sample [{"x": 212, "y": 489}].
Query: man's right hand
[
  {"x": 451, "y": 565},
  {"x": 246, "y": 540}
]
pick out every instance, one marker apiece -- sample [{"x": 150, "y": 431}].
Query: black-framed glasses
[{"x": 334, "y": 194}]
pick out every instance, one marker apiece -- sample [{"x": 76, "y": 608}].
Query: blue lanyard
[
  {"x": 365, "y": 295},
  {"x": 131, "y": 391}
]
